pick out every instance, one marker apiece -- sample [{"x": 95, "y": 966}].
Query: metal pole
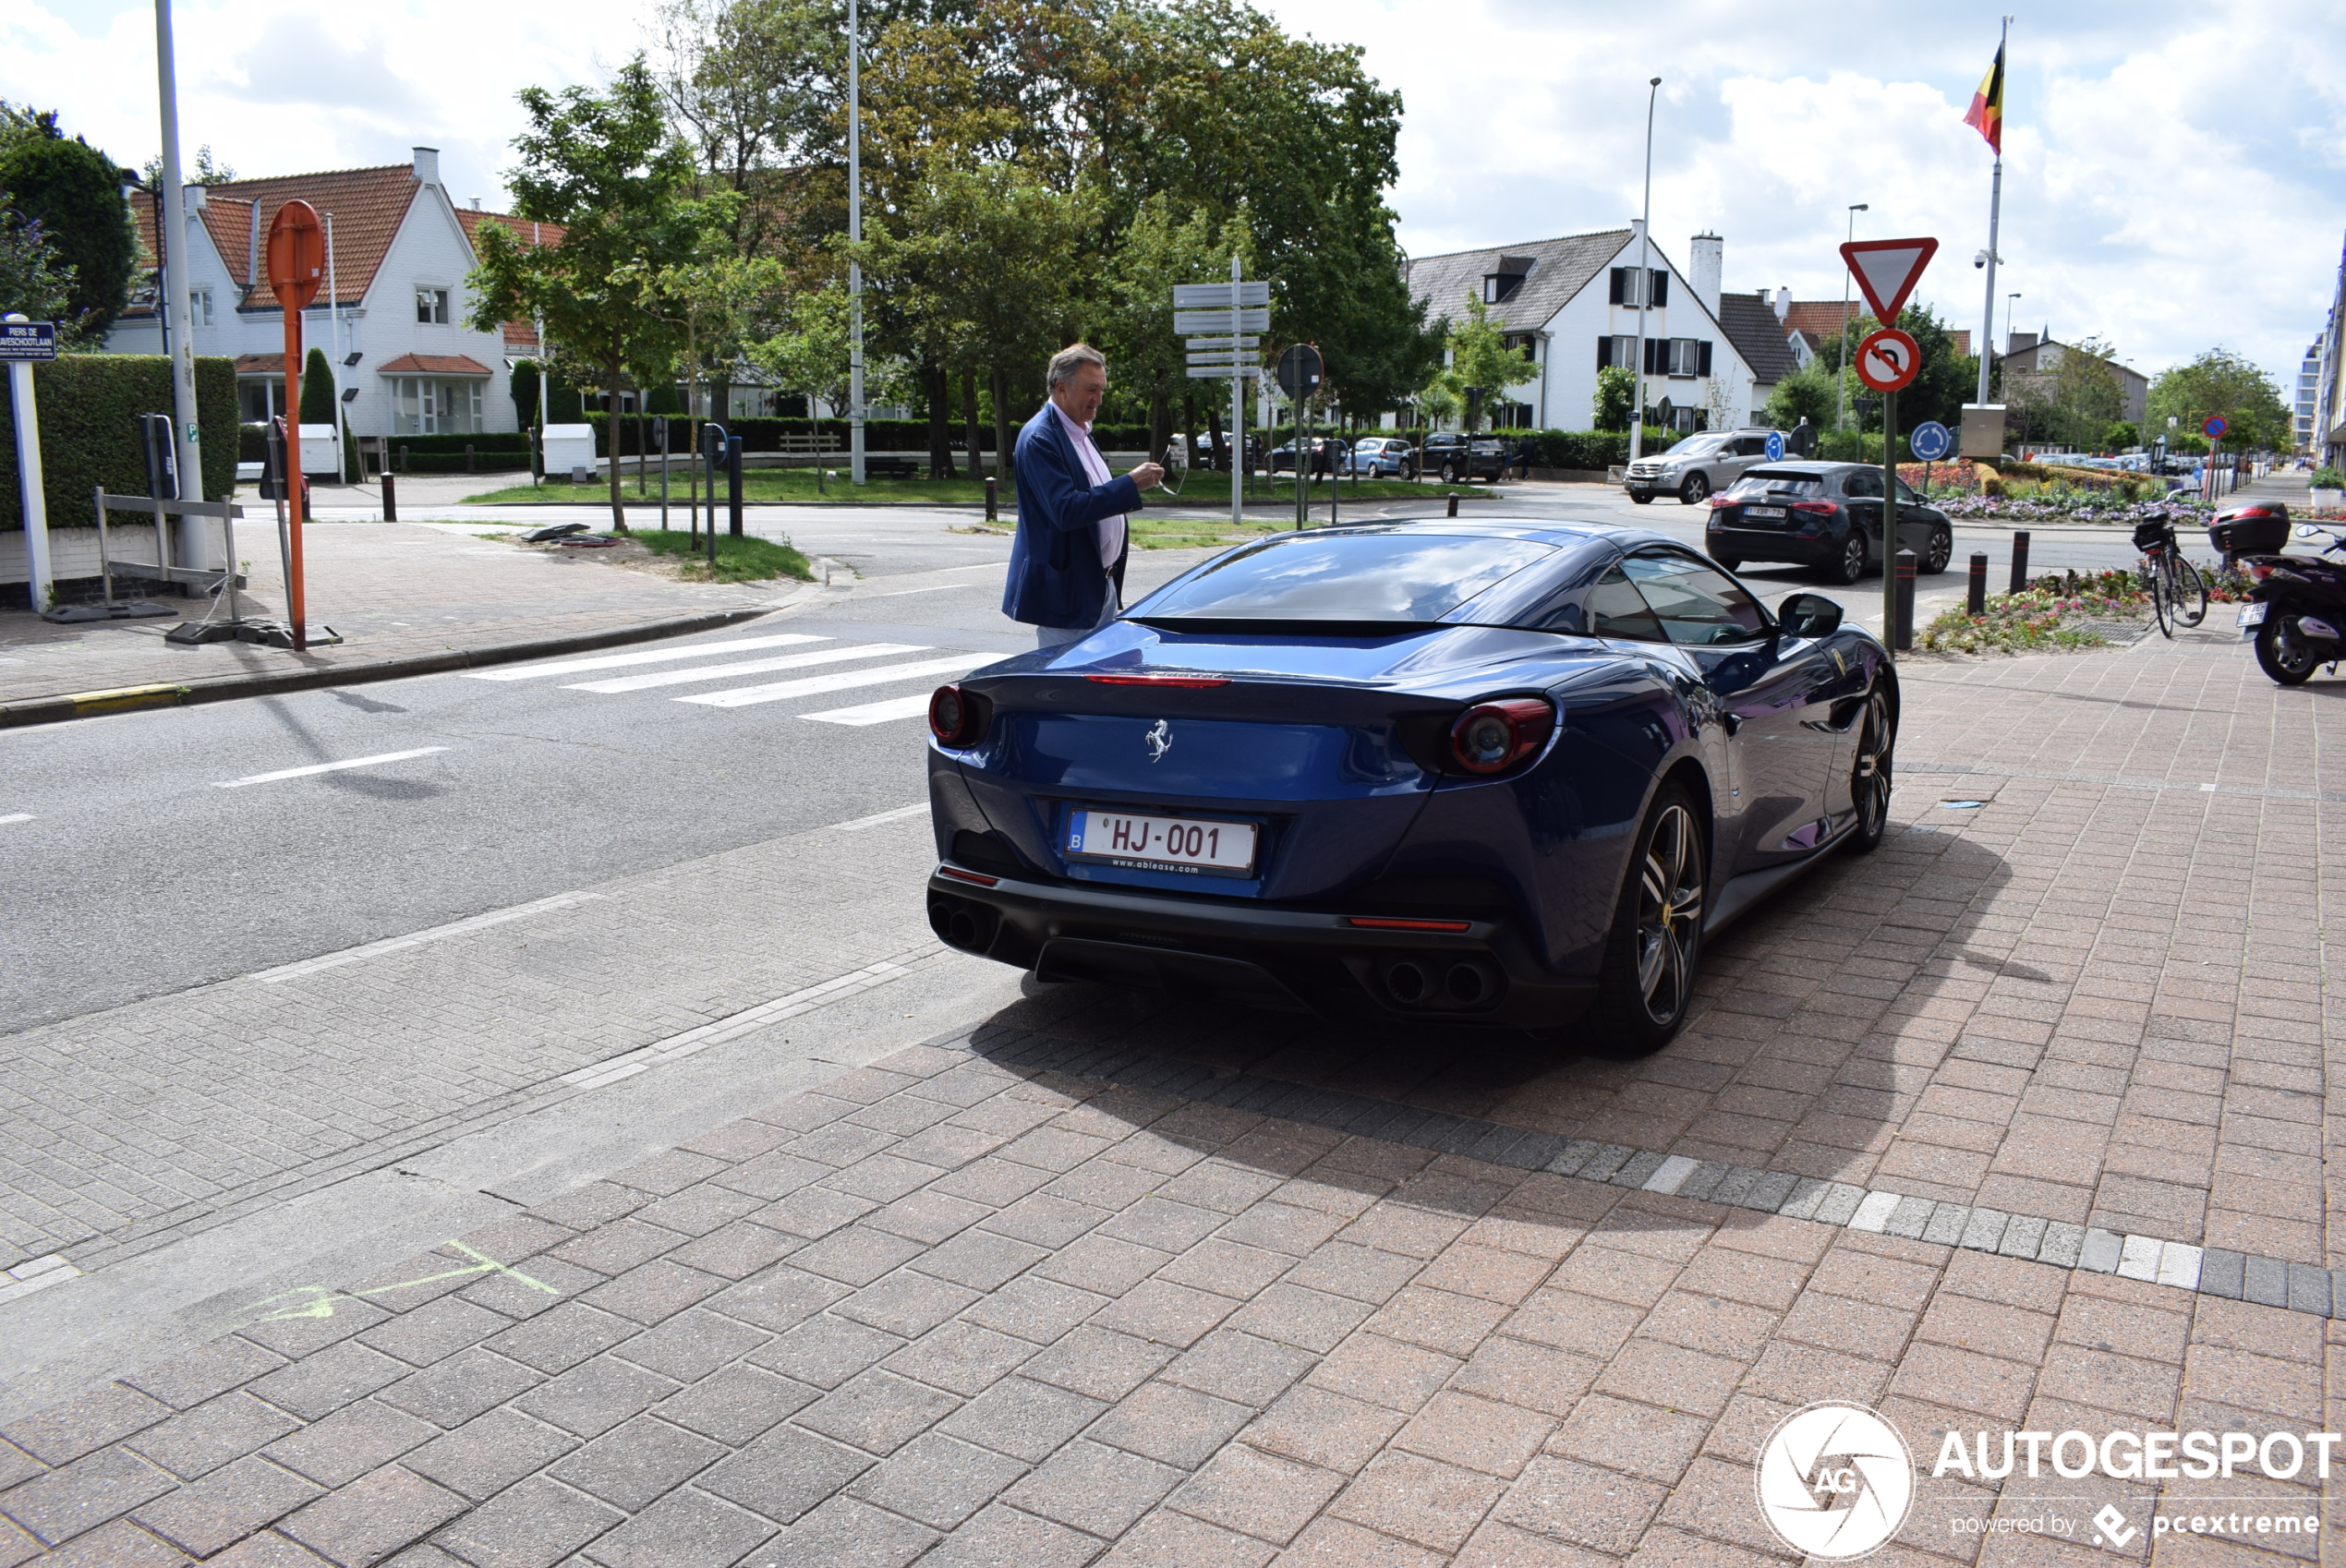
[
  {"x": 1238, "y": 407},
  {"x": 732, "y": 490},
  {"x": 38, "y": 582},
  {"x": 663, "y": 473},
  {"x": 333, "y": 348},
  {"x": 1890, "y": 521},
  {"x": 296, "y": 598},
  {"x": 1645, "y": 289},
  {"x": 1841, "y": 350},
  {"x": 1995, "y": 214},
  {"x": 172, "y": 222},
  {"x": 854, "y": 267}
]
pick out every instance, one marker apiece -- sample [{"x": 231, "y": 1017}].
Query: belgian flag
[{"x": 1987, "y": 105}]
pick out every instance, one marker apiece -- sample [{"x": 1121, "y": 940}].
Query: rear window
[
  {"x": 1352, "y": 575},
  {"x": 1760, "y": 484}
]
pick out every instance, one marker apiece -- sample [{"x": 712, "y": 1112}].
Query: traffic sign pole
[
  {"x": 1889, "y": 522},
  {"x": 23, "y": 350},
  {"x": 296, "y": 258}
]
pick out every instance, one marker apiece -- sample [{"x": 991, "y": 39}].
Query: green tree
[
  {"x": 1807, "y": 394},
  {"x": 749, "y": 83},
  {"x": 74, "y": 192},
  {"x": 32, "y": 278},
  {"x": 1133, "y": 323},
  {"x": 1616, "y": 390},
  {"x": 317, "y": 389},
  {"x": 1480, "y": 358},
  {"x": 2221, "y": 382},
  {"x": 603, "y": 165},
  {"x": 1946, "y": 381}
]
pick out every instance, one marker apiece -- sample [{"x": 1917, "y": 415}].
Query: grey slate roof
[
  {"x": 1560, "y": 269},
  {"x": 1750, "y": 324}
]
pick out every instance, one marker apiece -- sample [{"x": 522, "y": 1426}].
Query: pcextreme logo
[{"x": 1835, "y": 1482}]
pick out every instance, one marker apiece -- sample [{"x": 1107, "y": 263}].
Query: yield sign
[{"x": 1886, "y": 271}]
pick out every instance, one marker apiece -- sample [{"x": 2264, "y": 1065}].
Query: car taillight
[
  {"x": 1718, "y": 501},
  {"x": 1824, "y": 507},
  {"x": 956, "y": 718},
  {"x": 1493, "y": 737},
  {"x": 1197, "y": 682}
]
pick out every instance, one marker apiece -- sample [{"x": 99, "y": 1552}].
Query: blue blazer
[{"x": 1056, "y": 575}]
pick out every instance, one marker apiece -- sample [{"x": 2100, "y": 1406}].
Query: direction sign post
[
  {"x": 23, "y": 344},
  {"x": 1220, "y": 320},
  {"x": 1886, "y": 271}
]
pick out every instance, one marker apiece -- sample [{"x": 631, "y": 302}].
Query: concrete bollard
[
  {"x": 391, "y": 498},
  {"x": 1906, "y": 628},
  {"x": 1454, "y": 506},
  {"x": 2019, "y": 561},
  {"x": 1976, "y": 601}
]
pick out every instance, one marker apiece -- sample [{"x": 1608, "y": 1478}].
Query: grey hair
[{"x": 1064, "y": 362}]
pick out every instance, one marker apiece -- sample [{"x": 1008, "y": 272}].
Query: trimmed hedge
[
  {"x": 89, "y": 404},
  {"x": 879, "y": 435}
]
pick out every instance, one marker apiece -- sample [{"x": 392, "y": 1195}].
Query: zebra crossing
[{"x": 705, "y": 664}]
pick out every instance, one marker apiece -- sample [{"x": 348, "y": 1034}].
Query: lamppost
[
  {"x": 1645, "y": 285},
  {"x": 2008, "y": 299},
  {"x": 1841, "y": 355},
  {"x": 854, "y": 267}
]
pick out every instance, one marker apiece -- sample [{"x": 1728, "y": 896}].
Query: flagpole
[{"x": 1995, "y": 215}]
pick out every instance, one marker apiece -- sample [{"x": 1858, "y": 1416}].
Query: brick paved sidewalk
[
  {"x": 392, "y": 589},
  {"x": 1121, "y": 1284}
]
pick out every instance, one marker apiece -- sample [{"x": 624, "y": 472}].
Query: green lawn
[
  {"x": 746, "y": 559},
  {"x": 1199, "y": 488}
]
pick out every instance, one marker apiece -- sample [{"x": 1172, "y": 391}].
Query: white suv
[{"x": 1697, "y": 466}]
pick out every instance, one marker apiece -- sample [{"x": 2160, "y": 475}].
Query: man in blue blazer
[{"x": 1067, "y": 564}]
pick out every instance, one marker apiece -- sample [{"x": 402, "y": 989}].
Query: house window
[
  {"x": 1621, "y": 351},
  {"x": 1525, "y": 343},
  {"x": 1688, "y": 357},
  {"x": 431, "y": 307},
  {"x": 1624, "y": 286},
  {"x": 1500, "y": 288},
  {"x": 199, "y": 307},
  {"x": 423, "y": 406},
  {"x": 259, "y": 398}
]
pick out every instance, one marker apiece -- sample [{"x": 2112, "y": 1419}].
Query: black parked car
[
  {"x": 1451, "y": 457},
  {"x": 1822, "y": 516},
  {"x": 1327, "y": 451}
]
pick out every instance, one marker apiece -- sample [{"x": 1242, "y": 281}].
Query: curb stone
[{"x": 81, "y": 705}]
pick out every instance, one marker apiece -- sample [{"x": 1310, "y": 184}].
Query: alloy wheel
[
  {"x": 1869, "y": 784},
  {"x": 1670, "y": 894}
]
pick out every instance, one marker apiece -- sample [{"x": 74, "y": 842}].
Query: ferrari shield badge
[{"x": 1160, "y": 741}]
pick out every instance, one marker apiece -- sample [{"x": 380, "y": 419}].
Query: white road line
[
  {"x": 418, "y": 938},
  {"x": 815, "y": 685},
  {"x": 325, "y": 768},
  {"x": 875, "y": 713},
  {"x": 15, "y": 816},
  {"x": 748, "y": 666},
  {"x": 857, "y": 825},
  {"x": 658, "y": 656},
  {"x": 935, "y": 588}
]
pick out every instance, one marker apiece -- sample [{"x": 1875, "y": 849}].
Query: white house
[
  {"x": 393, "y": 328},
  {"x": 1570, "y": 305}
]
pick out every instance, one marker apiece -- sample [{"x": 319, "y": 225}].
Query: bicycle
[{"x": 2177, "y": 593}]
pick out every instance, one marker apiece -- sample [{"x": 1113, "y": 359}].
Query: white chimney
[
  {"x": 1784, "y": 305},
  {"x": 1706, "y": 258},
  {"x": 428, "y": 165},
  {"x": 193, "y": 196}
]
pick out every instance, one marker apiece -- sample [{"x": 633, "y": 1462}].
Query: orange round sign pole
[{"x": 296, "y": 258}]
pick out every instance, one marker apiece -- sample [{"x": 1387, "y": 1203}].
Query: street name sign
[
  {"x": 28, "y": 340},
  {"x": 1224, "y": 322},
  {"x": 1888, "y": 359},
  {"x": 1217, "y": 297},
  {"x": 1886, "y": 271}
]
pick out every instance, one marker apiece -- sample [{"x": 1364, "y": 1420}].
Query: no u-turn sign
[{"x": 1888, "y": 359}]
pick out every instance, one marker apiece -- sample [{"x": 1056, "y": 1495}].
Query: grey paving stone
[
  {"x": 2223, "y": 1272},
  {"x": 1910, "y": 1218},
  {"x": 2061, "y": 1245},
  {"x": 1947, "y": 1223},
  {"x": 1576, "y": 1152},
  {"x": 1769, "y": 1192},
  {"x": 1839, "y": 1203},
  {"x": 2100, "y": 1252},
  {"x": 1703, "y": 1181},
  {"x": 1638, "y": 1169},
  {"x": 1984, "y": 1232},
  {"x": 784, "y": 1474},
  {"x": 2308, "y": 1289},
  {"x": 1734, "y": 1185},
  {"x": 2023, "y": 1235},
  {"x": 2266, "y": 1282},
  {"x": 1606, "y": 1159},
  {"x": 1807, "y": 1193},
  {"x": 2338, "y": 1293}
]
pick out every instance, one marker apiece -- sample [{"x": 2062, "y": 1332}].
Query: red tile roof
[
  {"x": 261, "y": 365},
  {"x": 1821, "y": 319},
  {"x": 434, "y": 364}
]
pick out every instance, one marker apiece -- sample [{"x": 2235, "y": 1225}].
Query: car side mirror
[{"x": 1809, "y": 615}]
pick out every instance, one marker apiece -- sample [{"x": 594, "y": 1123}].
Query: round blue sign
[
  {"x": 1930, "y": 441},
  {"x": 1775, "y": 446}
]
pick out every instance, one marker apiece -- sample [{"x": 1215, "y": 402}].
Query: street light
[
  {"x": 1645, "y": 285},
  {"x": 2008, "y": 299},
  {"x": 1841, "y": 355}
]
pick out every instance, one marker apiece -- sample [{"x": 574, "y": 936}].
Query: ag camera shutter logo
[{"x": 1835, "y": 1482}]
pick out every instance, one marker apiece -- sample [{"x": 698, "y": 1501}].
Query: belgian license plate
[
  {"x": 2251, "y": 617},
  {"x": 1763, "y": 511},
  {"x": 1162, "y": 843}
]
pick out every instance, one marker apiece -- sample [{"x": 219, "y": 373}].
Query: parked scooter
[{"x": 2298, "y": 614}]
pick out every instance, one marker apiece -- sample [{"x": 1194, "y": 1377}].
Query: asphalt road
[{"x": 151, "y": 852}]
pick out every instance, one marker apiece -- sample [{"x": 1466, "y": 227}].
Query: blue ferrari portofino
[{"x": 1490, "y": 772}]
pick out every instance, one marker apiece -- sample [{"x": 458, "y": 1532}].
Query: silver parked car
[
  {"x": 1384, "y": 456},
  {"x": 1697, "y": 466}
]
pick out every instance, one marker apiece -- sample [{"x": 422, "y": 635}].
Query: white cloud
[{"x": 2176, "y": 177}]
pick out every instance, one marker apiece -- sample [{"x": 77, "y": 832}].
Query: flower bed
[{"x": 2057, "y": 611}]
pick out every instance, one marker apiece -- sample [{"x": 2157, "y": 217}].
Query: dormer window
[
  {"x": 1502, "y": 282},
  {"x": 431, "y": 307}
]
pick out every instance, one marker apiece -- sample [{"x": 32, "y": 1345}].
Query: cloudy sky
[{"x": 2175, "y": 180}]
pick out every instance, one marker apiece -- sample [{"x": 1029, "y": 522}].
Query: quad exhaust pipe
[
  {"x": 1432, "y": 984},
  {"x": 959, "y": 923}
]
